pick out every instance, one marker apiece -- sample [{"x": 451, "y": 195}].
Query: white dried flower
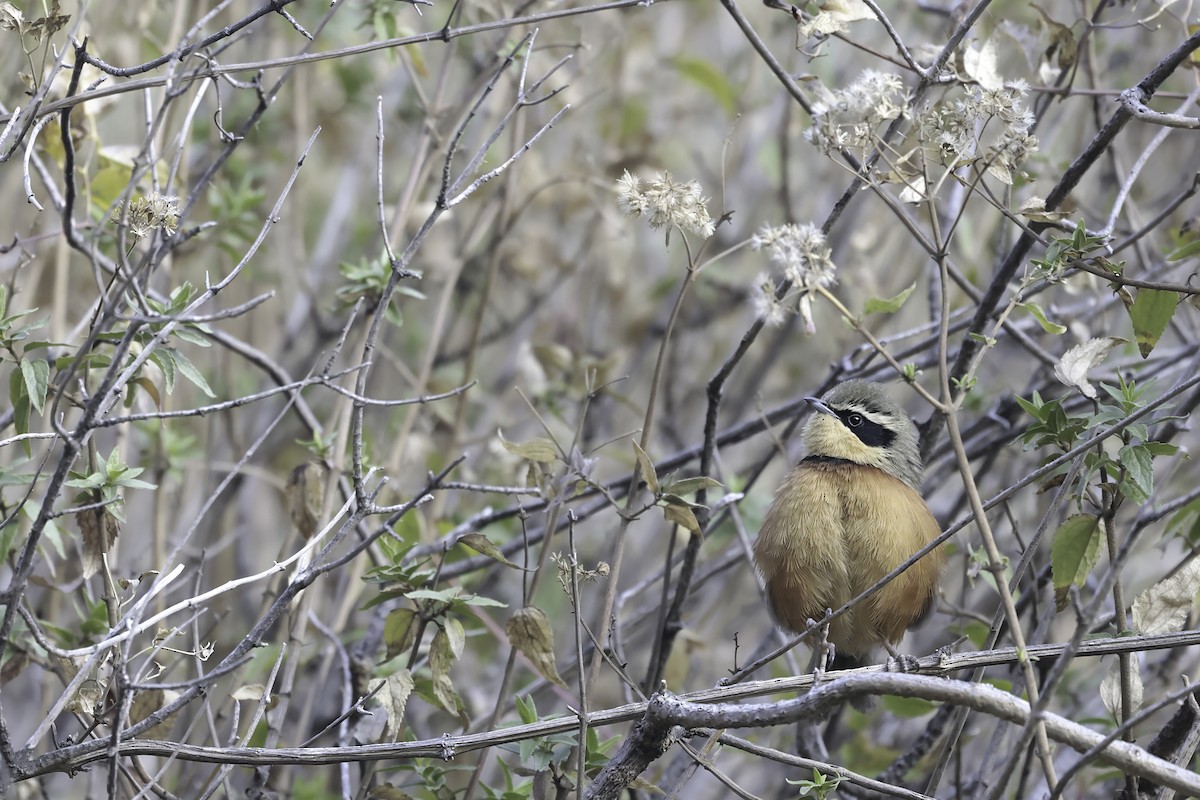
[
  {"x": 848, "y": 118},
  {"x": 629, "y": 195},
  {"x": 800, "y": 252},
  {"x": 153, "y": 211},
  {"x": 767, "y": 306},
  {"x": 962, "y": 130},
  {"x": 666, "y": 202},
  {"x": 802, "y": 255}
]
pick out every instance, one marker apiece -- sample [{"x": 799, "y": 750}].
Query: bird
[{"x": 849, "y": 513}]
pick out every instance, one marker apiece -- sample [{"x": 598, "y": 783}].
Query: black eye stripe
[{"x": 869, "y": 432}]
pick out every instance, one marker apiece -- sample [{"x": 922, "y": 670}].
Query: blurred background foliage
[{"x": 552, "y": 306}]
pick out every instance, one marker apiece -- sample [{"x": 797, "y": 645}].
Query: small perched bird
[{"x": 848, "y": 514}]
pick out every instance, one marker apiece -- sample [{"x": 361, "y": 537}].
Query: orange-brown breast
[{"x": 835, "y": 529}]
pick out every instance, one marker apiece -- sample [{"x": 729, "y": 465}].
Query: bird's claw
[{"x": 902, "y": 662}]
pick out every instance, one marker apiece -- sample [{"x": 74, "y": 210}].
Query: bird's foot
[{"x": 900, "y": 662}]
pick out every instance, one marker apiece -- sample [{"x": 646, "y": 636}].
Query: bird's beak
[{"x": 819, "y": 405}]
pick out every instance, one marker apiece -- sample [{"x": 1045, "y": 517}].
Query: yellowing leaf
[
  {"x": 399, "y": 631},
  {"x": 682, "y": 516},
  {"x": 529, "y": 631},
  {"x": 447, "y": 646},
  {"x": 393, "y": 697},
  {"x": 1151, "y": 312},
  {"x": 647, "y": 468},
  {"x": 540, "y": 450},
  {"x": 484, "y": 546},
  {"x": 691, "y": 485}
]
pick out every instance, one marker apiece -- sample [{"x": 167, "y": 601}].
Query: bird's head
[{"x": 859, "y": 421}]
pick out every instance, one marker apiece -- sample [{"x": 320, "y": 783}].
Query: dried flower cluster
[
  {"x": 849, "y": 119},
  {"x": 150, "y": 212},
  {"x": 961, "y": 131},
  {"x": 666, "y": 202},
  {"x": 802, "y": 255}
]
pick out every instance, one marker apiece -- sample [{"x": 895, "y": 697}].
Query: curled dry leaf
[
  {"x": 392, "y": 698},
  {"x": 100, "y": 530},
  {"x": 980, "y": 65},
  {"x": 149, "y": 702},
  {"x": 1034, "y": 209},
  {"x": 254, "y": 692},
  {"x": 1164, "y": 607},
  {"x": 1110, "y": 687},
  {"x": 835, "y": 16},
  {"x": 529, "y": 631},
  {"x": 1073, "y": 368},
  {"x": 306, "y": 497}
]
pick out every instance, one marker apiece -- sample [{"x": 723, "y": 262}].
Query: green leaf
[
  {"x": 1040, "y": 316},
  {"x": 167, "y": 365},
  {"x": 1151, "y": 312},
  {"x": 1139, "y": 471},
  {"x": 19, "y": 397},
  {"x": 706, "y": 75},
  {"x": 479, "y": 601},
  {"x": 36, "y": 374},
  {"x": 93, "y": 481},
  {"x": 436, "y": 595},
  {"x": 526, "y": 709},
  {"x": 540, "y": 450},
  {"x": 1032, "y": 407},
  {"x": 889, "y": 305},
  {"x": 191, "y": 335},
  {"x": 189, "y": 371},
  {"x": 1186, "y": 522},
  {"x": 1073, "y": 553},
  {"x": 1186, "y": 251}
]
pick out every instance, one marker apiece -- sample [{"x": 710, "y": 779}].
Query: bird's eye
[{"x": 854, "y": 420}]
